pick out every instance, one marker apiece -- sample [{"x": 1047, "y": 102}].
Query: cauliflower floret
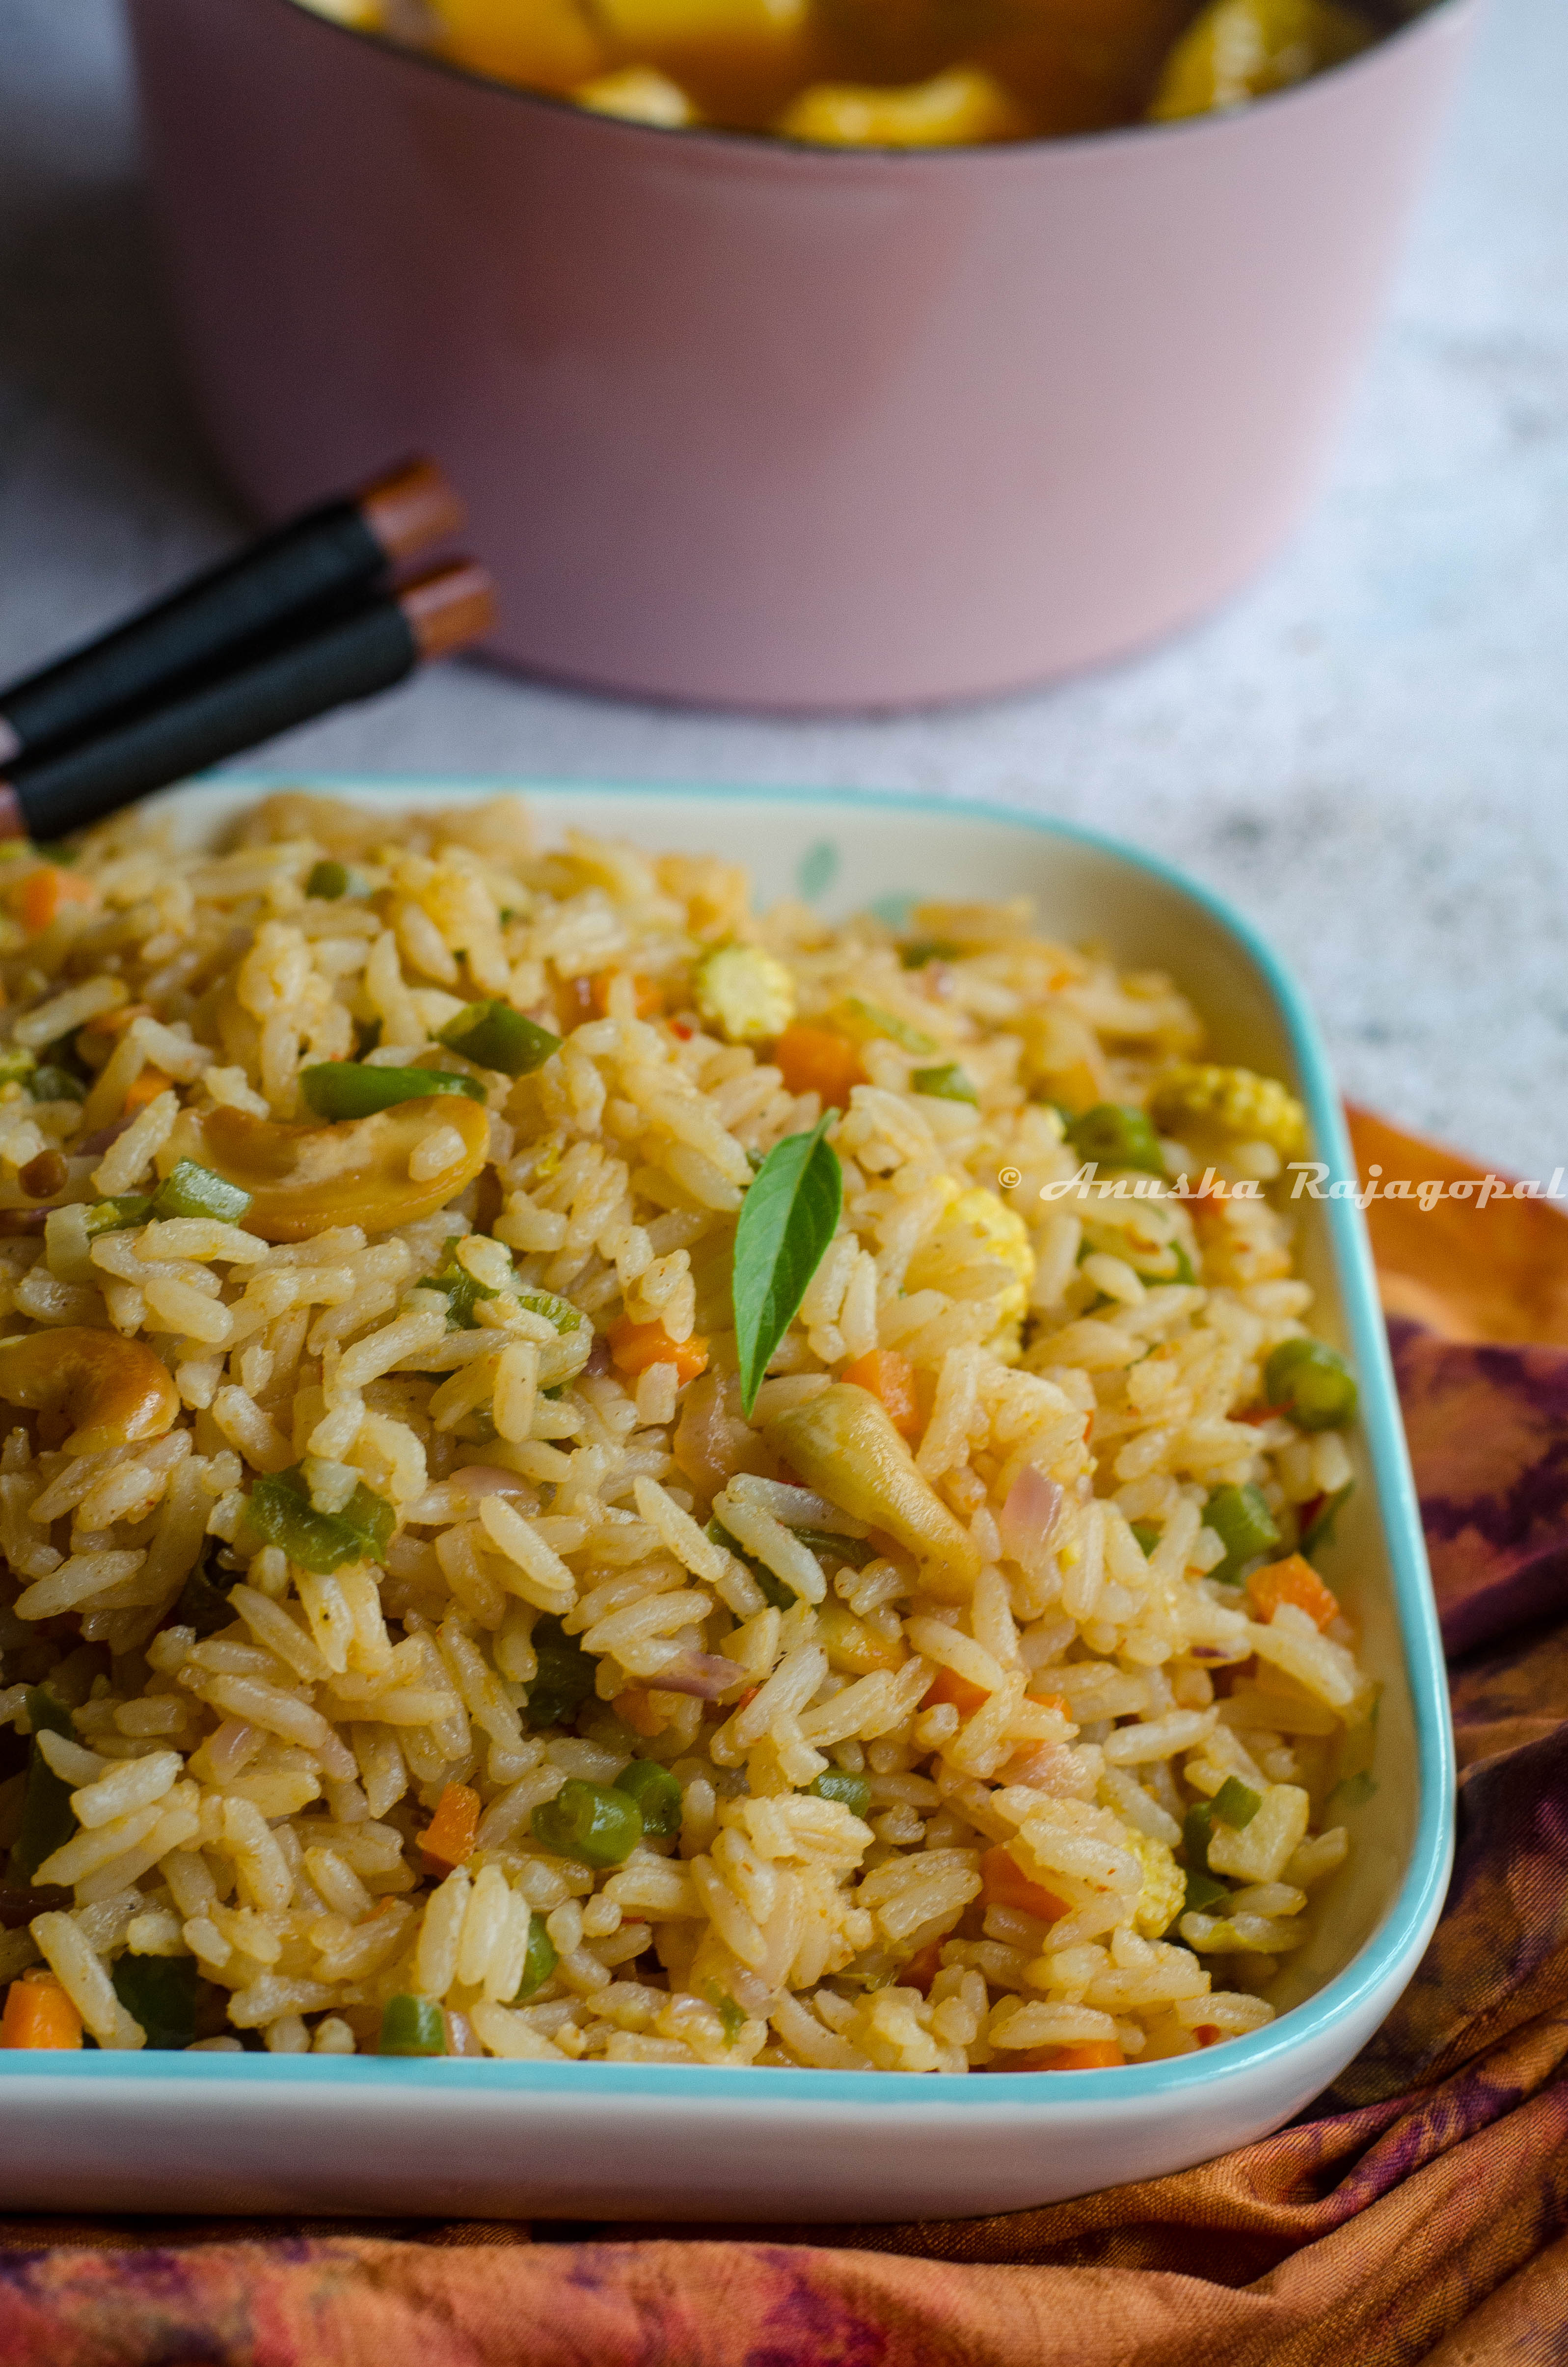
[{"x": 745, "y": 993}]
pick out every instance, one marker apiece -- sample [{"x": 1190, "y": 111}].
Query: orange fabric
[{"x": 1416, "y": 2212}]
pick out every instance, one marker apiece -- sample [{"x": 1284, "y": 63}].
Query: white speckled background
[{"x": 1368, "y": 752}]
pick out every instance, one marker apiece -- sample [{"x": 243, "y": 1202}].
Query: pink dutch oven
[{"x": 762, "y": 425}]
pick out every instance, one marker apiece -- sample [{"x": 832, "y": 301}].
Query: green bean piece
[
  {"x": 194, "y": 1190},
  {"x": 1310, "y": 1382},
  {"x": 565, "y": 1678},
  {"x": 412, "y": 2025},
  {"x": 201, "y": 1604},
  {"x": 119, "y": 1214},
  {"x": 16, "y": 1065},
  {"x": 493, "y": 1035},
  {"x": 657, "y": 1795},
  {"x": 47, "y": 1819},
  {"x": 1236, "y": 1803},
  {"x": 732, "y": 2016},
  {"x": 52, "y": 1084},
  {"x": 1148, "y": 1534},
  {"x": 1203, "y": 1893},
  {"x": 1113, "y": 1135},
  {"x": 774, "y": 1593},
  {"x": 282, "y": 1513},
  {"x": 854, "y": 1551},
  {"x": 592, "y": 1822},
  {"x": 464, "y": 1290},
  {"x": 852, "y": 1792},
  {"x": 1245, "y": 1526},
  {"x": 347, "y": 1089},
  {"x": 1319, "y": 1530},
  {"x": 928, "y": 949},
  {"x": 559, "y": 1311},
  {"x": 1196, "y": 1830},
  {"x": 328, "y": 880},
  {"x": 540, "y": 1962},
  {"x": 946, "y": 1083},
  {"x": 160, "y": 1992}
]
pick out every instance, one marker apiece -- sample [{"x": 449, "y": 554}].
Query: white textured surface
[{"x": 1368, "y": 752}]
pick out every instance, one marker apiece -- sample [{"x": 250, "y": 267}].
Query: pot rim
[{"x": 797, "y": 155}]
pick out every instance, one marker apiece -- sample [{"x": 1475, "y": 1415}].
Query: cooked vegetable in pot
[{"x": 882, "y": 74}]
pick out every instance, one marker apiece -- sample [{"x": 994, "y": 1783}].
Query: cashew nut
[
  {"x": 303, "y": 1179},
  {"x": 116, "y": 1391},
  {"x": 843, "y": 1444}
]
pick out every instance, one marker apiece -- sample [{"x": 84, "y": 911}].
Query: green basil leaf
[{"x": 788, "y": 1217}]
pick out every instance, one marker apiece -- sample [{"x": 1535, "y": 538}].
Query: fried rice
[{"x": 1003, "y": 1762}]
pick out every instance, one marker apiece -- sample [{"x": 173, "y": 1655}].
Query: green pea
[
  {"x": 1203, "y": 1893},
  {"x": 1312, "y": 1383},
  {"x": 1245, "y": 1526},
  {"x": 946, "y": 1084},
  {"x": 282, "y": 1513},
  {"x": 412, "y": 2025},
  {"x": 657, "y": 1795},
  {"x": 565, "y": 1678},
  {"x": 540, "y": 1962},
  {"x": 328, "y": 880},
  {"x": 195, "y": 1191},
  {"x": 852, "y": 1791},
  {"x": 48, "y": 1818},
  {"x": 592, "y": 1822},
  {"x": 1113, "y": 1135},
  {"x": 119, "y": 1215},
  {"x": 1147, "y": 1534},
  {"x": 159, "y": 1991},
  {"x": 347, "y": 1089},
  {"x": 53, "y": 1083},
  {"x": 1196, "y": 1830},
  {"x": 493, "y": 1035},
  {"x": 1236, "y": 1803}
]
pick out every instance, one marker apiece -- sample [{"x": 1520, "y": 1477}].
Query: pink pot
[{"x": 773, "y": 426}]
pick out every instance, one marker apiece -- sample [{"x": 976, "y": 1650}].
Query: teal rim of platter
[{"x": 1425, "y": 1878}]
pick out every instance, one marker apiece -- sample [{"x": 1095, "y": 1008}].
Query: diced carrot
[
  {"x": 748, "y": 1698},
  {"x": 1292, "y": 1581},
  {"x": 448, "y": 1840},
  {"x": 1091, "y": 2055},
  {"x": 1052, "y": 1700},
  {"x": 634, "y": 1709},
  {"x": 144, "y": 1089},
  {"x": 946, "y": 1686},
  {"x": 41, "y": 896},
  {"x": 891, "y": 1379},
  {"x": 922, "y": 1968},
  {"x": 575, "y": 1004},
  {"x": 648, "y": 998},
  {"x": 1207, "y": 2033},
  {"x": 635, "y": 1346},
  {"x": 1003, "y": 1883},
  {"x": 39, "y": 2013},
  {"x": 815, "y": 1060}
]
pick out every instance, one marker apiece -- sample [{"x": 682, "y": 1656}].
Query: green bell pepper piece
[
  {"x": 540, "y": 1962},
  {"x": 947, "y": 1083},
  {"x": 412, "y": 2025},
  {"x": 159, "y": 1991},
  {"x": 852, "y": 1791},
  {"x": 48, "y": 1820},
  {"x": 282, "y": 1513}
]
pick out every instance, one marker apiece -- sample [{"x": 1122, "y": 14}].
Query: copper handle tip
[
  {"x": 449, "y": 609},
  {"x": 412, "y": 508}
]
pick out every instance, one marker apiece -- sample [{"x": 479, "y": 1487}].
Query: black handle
[
  {"x": 314, "y": 564},
  {"x": 353, "y": 658}
]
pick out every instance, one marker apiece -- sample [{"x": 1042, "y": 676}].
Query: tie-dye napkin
[{"x": 1416, "y": 2212}]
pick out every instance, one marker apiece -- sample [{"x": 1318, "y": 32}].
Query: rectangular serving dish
[{"x": 321, "y": 2135}]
